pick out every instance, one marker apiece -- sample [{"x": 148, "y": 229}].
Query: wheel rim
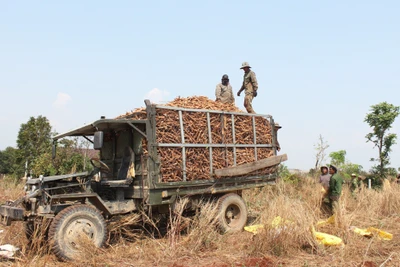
[
  {"x": 233, "y": 215},
  {"x": 77, "y": 231}
]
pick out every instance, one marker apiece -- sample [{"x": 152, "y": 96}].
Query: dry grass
[{"x": 134, "y": 240}]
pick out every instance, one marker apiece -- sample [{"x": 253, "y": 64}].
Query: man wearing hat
[
  {"x": 335, "y": 188},
  {"x": 223, "y": 91},
  {"x": 250, "y": 86},
  {"x": 324, "y": 178}
]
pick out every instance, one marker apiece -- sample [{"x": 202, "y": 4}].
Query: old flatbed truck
[{"x": 81, "y": 203}]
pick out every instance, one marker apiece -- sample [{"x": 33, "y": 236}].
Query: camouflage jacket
[
  {"x": 224, "y": 93},
  {"x": 250, "y": 83},
  {"x": 335, "y": 185},
  {"x": 355, "y": 184}
]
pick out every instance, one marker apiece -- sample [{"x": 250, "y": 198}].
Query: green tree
[
  {"x": 34, "y": 139},
  {"x": 338, "y": 158},
  {"x": 349, "y": 168},
  {"x": 9, "y": 162},
  {"x": 380, "y": 119},
  {"x": 70, "y": 158},
  {"x": 345, "y": 167}
]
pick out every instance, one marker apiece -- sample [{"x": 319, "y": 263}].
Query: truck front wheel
[
  {"x": 232, "y": 213},
  {"x": 72, "y": 226}
]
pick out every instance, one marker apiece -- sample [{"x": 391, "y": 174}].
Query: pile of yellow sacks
[{"x": 322, "y": 238}]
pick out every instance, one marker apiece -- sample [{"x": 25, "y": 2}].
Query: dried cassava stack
[{"x": 196, "y": 132}]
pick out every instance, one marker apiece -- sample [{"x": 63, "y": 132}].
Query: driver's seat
[{"x": 127, "y": 168}]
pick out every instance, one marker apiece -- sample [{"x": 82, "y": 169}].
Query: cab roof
[{"x": 99, "y": 125}]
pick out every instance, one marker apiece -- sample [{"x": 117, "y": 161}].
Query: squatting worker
[
  {"x": 223, "y": 91},
  {"x": 250, "y": 86},
  {"x": 324, "y": 178},
  {"x": 335, "y": 188}
]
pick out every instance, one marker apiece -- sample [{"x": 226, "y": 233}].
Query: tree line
[
  {"x": 380, "y": 119},
  {"x": 33, "y": 154}
]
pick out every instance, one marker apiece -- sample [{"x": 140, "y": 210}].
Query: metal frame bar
[
  {"x": 213, "y": 111},
  {"x": 254, "y": 136},
  {"x": 183, "y": 146},
  {"x": 213, "y": 145},
  {"x": 234, "y": 139},
  {"x": 214, "y": 182},
  {"x": 138, "y": 130},
  {"x": 63, "y": 186},
  {"x": 210, "y": 141},
  {"x": 222, "y": 121},
  {"x": 273, "y": 133},
  {"x": 152, "y": 163},
  {"x": 84, "y": 136}
]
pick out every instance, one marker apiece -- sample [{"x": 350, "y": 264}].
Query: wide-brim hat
[
  {"x": 245, "y": 65},
  {"x": 324, "y": 167}
]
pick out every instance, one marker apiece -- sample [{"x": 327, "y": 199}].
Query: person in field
[
  {"x": 250, "y": 86},
  {"x": 223, "y": 91},
  {"x": 335, "y": 189}
]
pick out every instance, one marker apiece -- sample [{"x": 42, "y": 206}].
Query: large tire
[
  {"x": 70, "y": 225},
  {"x": 232, "y": 213}
]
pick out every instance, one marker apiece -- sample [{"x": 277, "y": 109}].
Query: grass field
[{"x": 135, "y": 240}]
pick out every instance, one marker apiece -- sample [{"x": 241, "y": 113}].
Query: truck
[{"x": 130, "y": 175}]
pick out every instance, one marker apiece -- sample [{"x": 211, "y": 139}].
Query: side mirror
[
  {"x": 98, "y": 140},
  {"x": 54, "y": 150}
]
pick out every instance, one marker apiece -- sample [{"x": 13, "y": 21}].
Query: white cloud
[
  {"x": 62, "y": 100},
  {"x": 156, "y": 95}
]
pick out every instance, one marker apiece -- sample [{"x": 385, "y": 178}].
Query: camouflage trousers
[{"x": 248, "y": 99}]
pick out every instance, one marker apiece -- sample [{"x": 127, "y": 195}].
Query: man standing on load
[
  {"x": 223, "y": 91},
  {"x": 250, "y": 86}
]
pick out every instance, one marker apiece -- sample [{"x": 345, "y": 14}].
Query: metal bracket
[{"x": 137, "y": 129}]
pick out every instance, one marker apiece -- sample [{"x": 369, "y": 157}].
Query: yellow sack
[
  {"x": 255, "y": 229},
  {"x": 327, "y": 239},
  {"x": 330, "y": 220},
  {"x": 371, "y": 231},
  {"x": 276, "y": 222}
]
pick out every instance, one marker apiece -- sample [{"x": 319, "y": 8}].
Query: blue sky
[{"x": 320, "y": 64}]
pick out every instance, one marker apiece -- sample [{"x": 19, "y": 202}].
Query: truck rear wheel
[
  {"x": 232, "y": 213},
  {"x": 74, "y": 224}
]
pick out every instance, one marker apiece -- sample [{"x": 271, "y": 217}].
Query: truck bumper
[{"x": 9, "y": 214}]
